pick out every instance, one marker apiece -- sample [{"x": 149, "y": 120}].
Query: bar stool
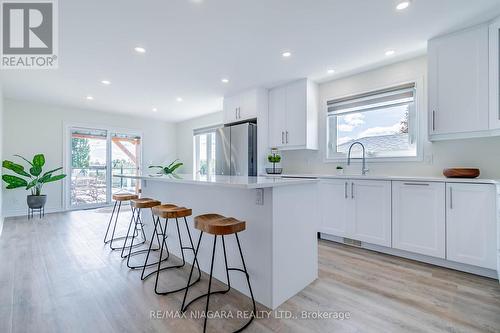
[
  {"x": 170, "y": 211},
  {"x": 118, "y": 198},
  {"x": 136, "y": 220},
  {"x": 219, "y": 225}
]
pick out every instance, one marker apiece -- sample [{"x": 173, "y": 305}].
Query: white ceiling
[{"x": 192, "y": 44}]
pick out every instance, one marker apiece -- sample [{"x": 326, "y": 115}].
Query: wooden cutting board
[{"x": 461, "y": 172}]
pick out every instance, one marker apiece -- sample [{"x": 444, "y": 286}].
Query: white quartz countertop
[
  {"x": 227, "y": 181},
  {"x": 396, "y": 178}
]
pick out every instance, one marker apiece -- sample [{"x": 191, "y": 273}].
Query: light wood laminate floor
[{"x": 57, "y": 276}]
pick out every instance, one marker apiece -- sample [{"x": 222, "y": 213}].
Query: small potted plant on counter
[
  {"x": 34, "y": 180},
  {"x": 274, "y": 158},
  {"x": 167, "y": 170},
  {"x": 340, "y": 170}
]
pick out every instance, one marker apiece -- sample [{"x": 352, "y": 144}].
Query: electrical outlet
[{"x": 259, "y": 199}]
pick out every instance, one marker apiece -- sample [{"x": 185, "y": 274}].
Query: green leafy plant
[
  {"x": 274, "y": 158},
  {"x": 169, "y": 169},
  {"x": 32, "y": 180}
]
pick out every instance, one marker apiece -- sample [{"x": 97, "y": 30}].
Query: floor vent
[{"x": 352, "y": 242}]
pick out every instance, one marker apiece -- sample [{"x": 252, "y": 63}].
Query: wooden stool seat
[
  {"x": 124, "y": 196},
  {"x": 144, "y": 203},
  {"x": 216, "y": 224},
  {"x": 171, "y": 211}
]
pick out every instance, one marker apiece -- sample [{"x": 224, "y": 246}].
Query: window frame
[
  {"x": 196, "y": 142},
  {"x": 419, "y": 106}
]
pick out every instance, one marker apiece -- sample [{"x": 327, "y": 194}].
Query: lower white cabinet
[
  {"x": 451, "y": 221},
  {"x": 418, "y": 217},
  {"x": 334, "y": 205},
  {"x": 357, "y": 209},
  {"x": 371, "y": 211},
  {"x": 471, "y": 224}
]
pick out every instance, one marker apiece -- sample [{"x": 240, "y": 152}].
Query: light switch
[{"x": 259, "y": 199}]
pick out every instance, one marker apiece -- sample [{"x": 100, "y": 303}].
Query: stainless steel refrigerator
[{"x": 236, "y": 150}]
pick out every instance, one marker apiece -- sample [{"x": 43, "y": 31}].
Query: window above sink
[{"x": 385, "y": 121}]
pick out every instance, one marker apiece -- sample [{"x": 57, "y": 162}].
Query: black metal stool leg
[
  {"x": 109, "y": 223},
  {"x": 209, "y": 285},
  {"x": 133, "y": 220},
  {"x": 183, "y": 307},
  {"x": 180, "y": 242},
  {"x": 161, "y": 254},
  {"x": 114, "y": 226},
  {"x": 155, "y": 231},
  {"x": 195, "y": 261},
  {"x": 182, "y": 248},
  {"x": 252, "y": 316},
  {"x": 150, "y": 248}
]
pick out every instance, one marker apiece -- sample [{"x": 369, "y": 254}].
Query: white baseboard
[
  {"x": 419, "y": 257},
  {"x": 24, "y": 212}
]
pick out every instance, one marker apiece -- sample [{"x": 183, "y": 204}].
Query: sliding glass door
[
  {"x": 88, "y": 167},
  {"x": 125, "y": 156},
  {"x": 95, "y": 155}
]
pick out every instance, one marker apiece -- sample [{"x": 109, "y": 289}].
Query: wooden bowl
[{"x": 461, "y": 173}]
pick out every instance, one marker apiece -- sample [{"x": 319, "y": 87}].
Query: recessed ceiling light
[
  {"x": 155, "y": 109},
  {"x": 403, "y": 5},
  {"x": 330, "y": 71},
  {"x": 90, "y": 98},
  {"x": 179, "y": 99},
  {"x": 390, "y": 52},
  {"x": 224, "y": 80},
  {"x": 286, "y": 54},
  {"x": 106, "y": 82},
  {"x": 139, "y": 49}
]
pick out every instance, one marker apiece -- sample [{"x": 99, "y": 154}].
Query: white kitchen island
[{"x": 279, "y": 243}]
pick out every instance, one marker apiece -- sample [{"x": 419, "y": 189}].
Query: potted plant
[
  {"x": 169, "y": 169},
  {"x": 34, "y": 180},
  {"x": 340, "y": 170},
  {"x": 274, "y": 158}
]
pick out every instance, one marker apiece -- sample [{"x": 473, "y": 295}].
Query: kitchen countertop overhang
[{"x": 245, "y": 182}]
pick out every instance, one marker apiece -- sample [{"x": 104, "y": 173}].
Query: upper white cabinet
[
  {"x": 418, "y": 217},
  {"x": 494, "y": 74},
  {"x": 244, "y": 106},
  {"x": 458, "y": 83},
  {"x": 471, "y": 224},
  {"x": 293, "y": 116},
  {"x": 357, "y": 209}
]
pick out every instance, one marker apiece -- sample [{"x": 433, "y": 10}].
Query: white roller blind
[
  {"x": 373, "y": 100},
  {"x": 208, "y": 129}
]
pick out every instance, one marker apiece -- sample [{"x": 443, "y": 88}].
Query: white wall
[
  {"x": 483, "y": 153},
  {"x": 31, "y": 128},
  {"x": 184, "y": 134}
]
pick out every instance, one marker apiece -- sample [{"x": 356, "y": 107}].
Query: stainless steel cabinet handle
[
  {"x": 282, "y": 137},
  {"x": 352, "y": 190},
  {"x": 433, "y": 120},
  {"x": 451, "y": 198},
  {"x": 286, "y": 136},
  {"x": 417, "y": 184},
  {"x": 239, "y": 113},
  {"x": 236, "y": 113},
  {"x": 345, "y": 190}
]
